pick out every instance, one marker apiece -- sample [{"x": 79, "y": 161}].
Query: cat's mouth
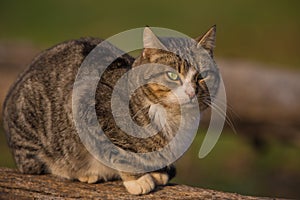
[{"x": 189, "y": 104}]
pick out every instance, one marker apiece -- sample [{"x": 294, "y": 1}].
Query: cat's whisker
[
  {"x": 215, "y": 107},
  {"x": 230, "y": 114},
  {"x": 229, "y": 106},
  {"x": 229, "y": 109},
  {"x": 222, "y": 113}
]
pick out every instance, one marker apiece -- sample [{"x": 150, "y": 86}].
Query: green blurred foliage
[
  {"x": 265, "y": 31},
  {"x": 6, "y": 159}
]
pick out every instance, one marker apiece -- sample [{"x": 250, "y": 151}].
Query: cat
[{"x": 37, "y": 112}]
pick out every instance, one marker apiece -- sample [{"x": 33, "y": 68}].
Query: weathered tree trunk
[
  {"x": 265, "y": 100},
  {"x": 14, "y": 185}
]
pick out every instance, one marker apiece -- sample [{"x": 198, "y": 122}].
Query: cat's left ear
[
  {"x": 150, "y": 41},
  {"x": 208, "y": 40}
]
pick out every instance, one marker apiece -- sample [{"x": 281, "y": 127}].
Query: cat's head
[{"x": 192, "y": 72}]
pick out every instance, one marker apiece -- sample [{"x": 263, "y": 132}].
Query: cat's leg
[
  {"x": 143, "y": 184},
  {"x": 163, "y": 176},
  {"x": 160, "y": 178},
  {"x": 85, "y": 176},
  {"x": 89, "y": 178},
  {"x": 138, "y": 184},
  {"x": 26, "y": 155},
  {"x": 95, "y": 171},
  {"x": 28, "y": 163}
]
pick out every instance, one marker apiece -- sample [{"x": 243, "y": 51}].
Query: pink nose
[{"x": 190, "y": 93}]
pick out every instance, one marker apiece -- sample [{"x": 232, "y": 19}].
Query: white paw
[
  {"x": 143, "y": 185},
  {"x": 88, "y": 179},
  {"x": 160, "y": 178}
]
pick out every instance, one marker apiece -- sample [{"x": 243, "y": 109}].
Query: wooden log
[
  {"x": 14, "y": 185},
  {"x": 265, "y": 100}
]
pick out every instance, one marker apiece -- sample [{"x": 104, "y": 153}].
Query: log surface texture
[{"x": 14, "y": 185}]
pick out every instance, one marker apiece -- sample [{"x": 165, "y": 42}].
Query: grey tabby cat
[{"x": 38, "y": 116}]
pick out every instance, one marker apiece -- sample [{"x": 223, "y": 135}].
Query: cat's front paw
[
  {"x": 88, "y": 179},
  {"x": 143, "y": 185},
  {"x": 160, "y": 178}
]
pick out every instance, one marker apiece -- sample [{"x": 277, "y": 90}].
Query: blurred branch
[{"x": 263, "y": 100}]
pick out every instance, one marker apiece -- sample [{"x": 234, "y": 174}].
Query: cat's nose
[{"x": 190, "y": 93}]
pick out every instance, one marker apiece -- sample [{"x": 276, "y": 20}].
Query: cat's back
[
  {"x": 45, "y": 82},
  {"x": 51, "y": 71},
  {"x": 62, "y": 59}
]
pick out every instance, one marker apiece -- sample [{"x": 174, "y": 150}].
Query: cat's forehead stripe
[{"x": 191, "y": 74}]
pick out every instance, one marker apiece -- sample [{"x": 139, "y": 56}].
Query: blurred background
[{"x": 257, "y": 52}]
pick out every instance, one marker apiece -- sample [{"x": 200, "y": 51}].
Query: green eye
[{"x": 173, "y": 76}]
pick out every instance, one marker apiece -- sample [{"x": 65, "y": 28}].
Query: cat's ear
[
  {"x": 150, "y": 41},
  {"x": 208, "y": 40}
]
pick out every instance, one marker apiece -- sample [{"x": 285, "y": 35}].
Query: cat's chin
[
  {"x": 189, "y": 105},
  {"x": 185, "y": 104}
]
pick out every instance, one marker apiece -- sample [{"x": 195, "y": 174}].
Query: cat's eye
[
  {"x": 202, "y": 75},
  {"x": 173, "y": 76}
]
